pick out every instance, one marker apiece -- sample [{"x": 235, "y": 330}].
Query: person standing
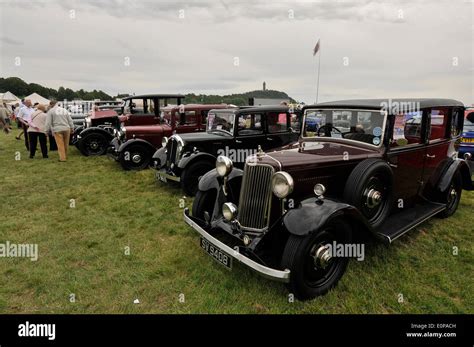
[
  {"x": 4, "y": 114},
  {"x": 36, "y": 131},
  {"x": 24, "y": 115},
  {"x": 52, "y": 142},
  {"x": 59, "y": 121}
]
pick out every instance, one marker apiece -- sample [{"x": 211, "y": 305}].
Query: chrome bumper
[{"x": 273, "y": 274}]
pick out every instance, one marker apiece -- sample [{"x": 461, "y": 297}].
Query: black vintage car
[
  {"x": 297, "y": 215},
  {"x": 235, "y": 133}
]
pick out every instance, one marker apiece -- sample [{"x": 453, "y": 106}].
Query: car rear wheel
[
  {"x": 135, "y": 157},
  {"x": 191, "y": 175},
  {"x": 93, "y": 144},
  {"x": 452, "y": 196},
  {"x": 314, "y": 267},
  {"x": 369, "y": 189}
]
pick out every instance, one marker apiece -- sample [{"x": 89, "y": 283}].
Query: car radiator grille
[
  {"x": 171, "y": 151},
  {"x": 255, "y": 196}
]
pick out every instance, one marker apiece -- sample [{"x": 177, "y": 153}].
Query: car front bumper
[
  {"x": 164, "y": 176},
  {"x": 267, "y": 272}
]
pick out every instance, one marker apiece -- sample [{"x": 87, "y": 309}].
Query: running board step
[{"x": 399, "y": 223}]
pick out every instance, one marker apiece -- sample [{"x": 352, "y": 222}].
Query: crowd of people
[{"x": 40, "y": 123}]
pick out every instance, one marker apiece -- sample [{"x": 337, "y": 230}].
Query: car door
[
  {"x": 406, "y": 155},
  {"x": 187, "y": 121},
  {"x": 143, "y": 112},
  {"x": 278, "y": 129},
  {"x": 439, "y": 146},
  {"x": 249, "y": 134}
]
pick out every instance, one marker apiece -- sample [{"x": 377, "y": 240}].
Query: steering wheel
[{"x": 328, "y": 126}]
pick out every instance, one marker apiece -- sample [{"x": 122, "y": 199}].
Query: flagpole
[{"x": 319, "y": 70}]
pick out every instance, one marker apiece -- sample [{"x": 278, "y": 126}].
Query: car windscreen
[
  {"x": 220, "y": 122},
  {"x": 357, "y": 125}
]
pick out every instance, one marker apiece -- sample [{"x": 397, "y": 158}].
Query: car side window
[
  {"x": 204, "y": 114},
  {"x": 277, "y": 122},
  {"x": 295, "y": 121},
  {"x": 250, "y": 124},
  {"x": 455, "y": 122},
  {"x": 188, "y": 118},
  {"x": 438, "y": 123},
  {"x": 407, "y": 129}
]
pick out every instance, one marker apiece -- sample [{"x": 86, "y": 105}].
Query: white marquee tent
[
  {"x": 36, "y": 98},
  {"x": 9, "y": 98}
]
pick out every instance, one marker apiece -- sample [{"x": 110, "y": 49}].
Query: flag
[{"x": 316, "y": 48}]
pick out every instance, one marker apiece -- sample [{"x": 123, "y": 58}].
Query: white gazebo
[{"x": 36, "y": 98}]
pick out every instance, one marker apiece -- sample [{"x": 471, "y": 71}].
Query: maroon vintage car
[
  {"x": 296, "y": 215},
  {"x": 98, "y": 129},
  {"x": 134, "y": 145}
]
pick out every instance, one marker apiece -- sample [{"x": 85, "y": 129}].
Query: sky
[{"x": 369, "y": 49}]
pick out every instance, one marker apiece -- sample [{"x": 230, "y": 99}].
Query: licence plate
[
  {"x": 466, "y": 140},
  {"x": 161, "y": 178},
  {"x": 216, "y": 253}
]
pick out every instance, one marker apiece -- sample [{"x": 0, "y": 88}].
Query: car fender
[
  {"x": 123, "y": 147},
  {"x": 455, "y": 166},
  {"x": 92, "y": 130},
  {"x": 186, "y": 160},
  {"x": 212, "y": 180},
  {"x": 160, "y": 157},
  {"x": 312, "y": 214}
]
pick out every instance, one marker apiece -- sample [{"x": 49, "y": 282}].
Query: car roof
[
  {"x": 247, "y": 109},
  {"x": 376, "y": 104},
  {"x": 196, "y": 106},
  {"x": 151, "y": 96}
]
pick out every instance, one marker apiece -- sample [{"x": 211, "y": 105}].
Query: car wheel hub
[
  {"x": 94, "y": 145},
  {"x": 374, "y": 198},
  {"x": 322, "y": 256},
  {"x": 136, "y": 158}
]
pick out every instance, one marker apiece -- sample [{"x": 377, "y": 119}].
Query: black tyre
[
  {"x": 93, "y": 144},
  {"x": 312, "y": 273},
  {"x": 135, "y": 157},
  {"x": 191, "y": 175},
  {"x": 452, "y": 196},
  {"x": 204, "y": 202},
  {"x": 369, "y": 188}
]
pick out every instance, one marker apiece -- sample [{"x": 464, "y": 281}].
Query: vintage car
[
  {"x": 235, "y": 133},
  {"x": 98, "y": 129},
  {"x": 466, "y": 148},
  {"x": 133, "y": 146},
  {"x": 296, "y": 215}
]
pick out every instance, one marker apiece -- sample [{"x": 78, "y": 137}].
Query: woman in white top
[{"x": 37, "y": 130}]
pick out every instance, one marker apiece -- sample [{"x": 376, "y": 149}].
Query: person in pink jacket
[{"x": 37, "y": 131}]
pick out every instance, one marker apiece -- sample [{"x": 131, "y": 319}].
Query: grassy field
[{"x": 82, "y": 251}]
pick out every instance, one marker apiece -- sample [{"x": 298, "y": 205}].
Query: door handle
[
  {"x": 269, "y": 139},
  {"x": 431, "y": 156},
  {"x": 238, "y": 141}
]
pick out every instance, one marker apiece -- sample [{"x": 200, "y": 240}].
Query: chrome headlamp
[
  {"x": 224, "y": 166},
  {"x": 164, "y": 141},
  {"x": 282, "y": 184},
  {"x": 229, "y": 211},
  {"x": 88, "y": 121}
]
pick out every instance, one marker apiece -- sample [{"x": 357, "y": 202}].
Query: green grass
[{"x": 82, "y": 251}]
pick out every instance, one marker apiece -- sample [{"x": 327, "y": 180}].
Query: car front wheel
[
  {"x": 93, "y": 144},
  {"x": 135, "y": 157},
  {"x": 191, "y": 175},
  {"x": 312, "y": 260}
]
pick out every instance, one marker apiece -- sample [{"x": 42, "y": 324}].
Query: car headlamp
[
  {"x": 229, "y": 211},
  {"x": 282, "y": 184},
  {"x": 164, "y": 141},
  {"x": 224, "y": 166}
]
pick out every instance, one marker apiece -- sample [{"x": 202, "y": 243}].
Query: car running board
[{"x": 399, "y": 223}]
